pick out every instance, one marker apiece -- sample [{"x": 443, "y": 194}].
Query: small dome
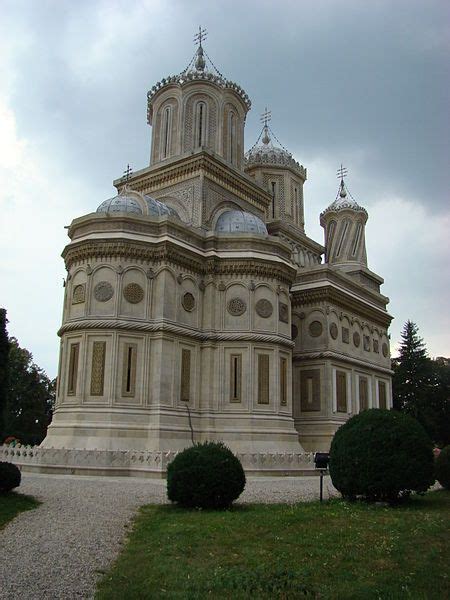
[
  {"x": 158, "y": 209},
  {"x": 238, "y": 221},
  {"x": 266, "y": 153},
  {"x": 121, "y": 203}
]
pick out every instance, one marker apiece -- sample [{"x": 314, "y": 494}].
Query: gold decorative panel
[
  {"x": 263, "y": 378},
  {"x": 98, "y": 368},
  {"x": 185, "y": 386}
]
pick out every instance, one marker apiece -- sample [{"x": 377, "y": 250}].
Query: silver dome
[
  {"x": 121, "y": 203},
  {"x": 238, "y": 221},
  {"x": 158, "y": 209}
]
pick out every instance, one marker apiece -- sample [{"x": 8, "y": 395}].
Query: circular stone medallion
[
  {"x": 236, "y": 307},
  {"x": 103, "y": 291},
  {"x": 264, "y": 308},
  {"x": 385, "y": 349},
  {"x": 356, "y": 339},
  {"x": 334, "y": 330},
  {"x": 133, "y": 293},
  {"x": 315, "y": 329},
  {"x": 188, "y": 302}
]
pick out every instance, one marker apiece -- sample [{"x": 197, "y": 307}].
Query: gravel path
[{"x": 59, "y": 550}]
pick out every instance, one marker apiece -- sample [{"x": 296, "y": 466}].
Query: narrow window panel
[
  {"x": 310, "y": 390},
  {"x": 129, "y": 370},
  {"x": 283, "y": 381},
  {"x": 185, "y": 385},
  {"x": 363, "y": 394},
  {"x": 382, "y": 394},
  {"x": 263, "y": 378},
  {"x": 341, "y": 391},
  {"x": 98, "y": 368},
  {"x": 235, "y": 377},
  {"x": 73, "y": 369}
]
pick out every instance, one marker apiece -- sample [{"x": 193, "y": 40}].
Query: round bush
[
  {"x": 206, "y": 475},
  {"x": 442, "y": 467},
  {"x": 381, "y": 455},
  {"x": 9, "y": 476}
]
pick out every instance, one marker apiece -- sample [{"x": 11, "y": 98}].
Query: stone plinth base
[{"x": 131, "y": 463}]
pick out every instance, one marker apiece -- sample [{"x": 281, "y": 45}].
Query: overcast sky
[{"x": 357, "y": 82}]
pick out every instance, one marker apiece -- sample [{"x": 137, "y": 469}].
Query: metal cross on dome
[
  {"x": 128, "y": 172},
  {"x": 341, "y": 173},
  {"x": 200, "y": 36},
  {"x": 266, "y": 116}
]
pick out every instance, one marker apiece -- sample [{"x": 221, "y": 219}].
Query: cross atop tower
[
  {"x": 266, "y": 116},
  {"x": 200, "y": 36},
  {"x": 127, "y": 173},
  {"x": 342, "y": 172}
]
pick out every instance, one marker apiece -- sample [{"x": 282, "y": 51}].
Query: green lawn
[
  {"x": 12, "y": 504},
  {"x": 334, "y": 550}
]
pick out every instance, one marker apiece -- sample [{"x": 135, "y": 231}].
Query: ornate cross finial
[
  {"x": 341, "y": 173},
  {"x": 200, "y": 36},
  {"x": 266, "y": 116},
  {"x": 128, "y": 172}
]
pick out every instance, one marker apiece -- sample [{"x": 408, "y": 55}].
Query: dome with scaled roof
[
  {"x": 238, "y": 221},
  {"x": 130, "y": 201},
  {"x": 266, "y": 153}
]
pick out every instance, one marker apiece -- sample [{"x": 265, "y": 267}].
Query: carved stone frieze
[{"x": 79, "y": 294}]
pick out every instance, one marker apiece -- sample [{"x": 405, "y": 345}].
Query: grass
[
  {"x": 334, "y": 550},
  {"x": 12, "y": 504}
]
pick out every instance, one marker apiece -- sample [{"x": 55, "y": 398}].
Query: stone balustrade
[{"x": 140, "y": 463}]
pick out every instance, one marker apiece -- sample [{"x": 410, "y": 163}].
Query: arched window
[
  {"x": 165, "y": 134},
  {"x": 231, "y": 138},
  {"x": 200, "y": 130}
]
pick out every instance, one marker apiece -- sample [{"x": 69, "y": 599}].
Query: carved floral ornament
[
  {"x": 283, "y": 312},
  {"x": 103, "y": 291},
  {"x": 236, "y": 307},
  {"x": 133, "y": 293},
  {"x": 264, "y": 308},
  {"x": 385, "y": 349},
  {"x": 356, "y": 339},
  {"x": 334, "y": 331},
  {"x": 188, "y": 302},
  {"x": 79, "y": 294}
]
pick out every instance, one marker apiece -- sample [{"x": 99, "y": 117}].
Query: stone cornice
[
  {"x": 189, "y": 165},
  {"x": 331, "y": 355},
  {"x": 344, "y": 300},
  {"x": 170, "y": 252},
  {"x": 277, "y": 227},
  {"x": 171, "y": 328}
]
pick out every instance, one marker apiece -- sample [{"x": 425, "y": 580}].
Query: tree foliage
[
  {"x": 4, "y": 378},
  {"x": 421, "y": 386},
  {"x": 28, "y": 394}
]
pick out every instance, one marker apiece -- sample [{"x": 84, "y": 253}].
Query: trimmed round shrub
[
  {"x": 381, "y": 455},
  {"x": 9, "y": 476},
  {"x": 442, "y": 467},
  {"x": 207, "y": 475}
]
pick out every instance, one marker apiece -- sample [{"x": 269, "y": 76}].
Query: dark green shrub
[
  {"x": 9, "y": 477},
  {"x": 442, "y": 467},
  {"x": 206, "y": 475},
  {"x": 381, "y": 455}
]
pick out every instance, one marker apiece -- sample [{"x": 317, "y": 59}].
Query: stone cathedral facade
[{"x": 196, "y": 305}]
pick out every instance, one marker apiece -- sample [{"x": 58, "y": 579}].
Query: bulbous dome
[
  {"x": 238, "y": 221},
  {"x": 123, "y": 203}
]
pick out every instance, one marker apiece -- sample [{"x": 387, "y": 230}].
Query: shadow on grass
[{"x": 13, "y": 503}]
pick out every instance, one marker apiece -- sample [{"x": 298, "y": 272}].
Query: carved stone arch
[
  {"x": 191, "y": 278},
  {"x": 134, "y": 268},
  {"x": 96, "y": 268},
  {"x": 177, "y": 205},
  {"x": 230, "y": 284},
  {"x": 265, "y": 285}
]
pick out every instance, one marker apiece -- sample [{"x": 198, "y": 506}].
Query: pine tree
[
  {"x": 412, "y": 372},
  {"x": 4, "y": 376}
]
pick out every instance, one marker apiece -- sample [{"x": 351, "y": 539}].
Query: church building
[{"x": 197, "y": 308}]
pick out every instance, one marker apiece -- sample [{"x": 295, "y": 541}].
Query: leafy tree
[
  {"x": 30, "y": 398},
  {"x": 421, "y": 386},
  {"x": 4, "y": 352}
]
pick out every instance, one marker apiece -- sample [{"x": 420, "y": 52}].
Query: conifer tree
[{"x": 412, "y": 372}]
